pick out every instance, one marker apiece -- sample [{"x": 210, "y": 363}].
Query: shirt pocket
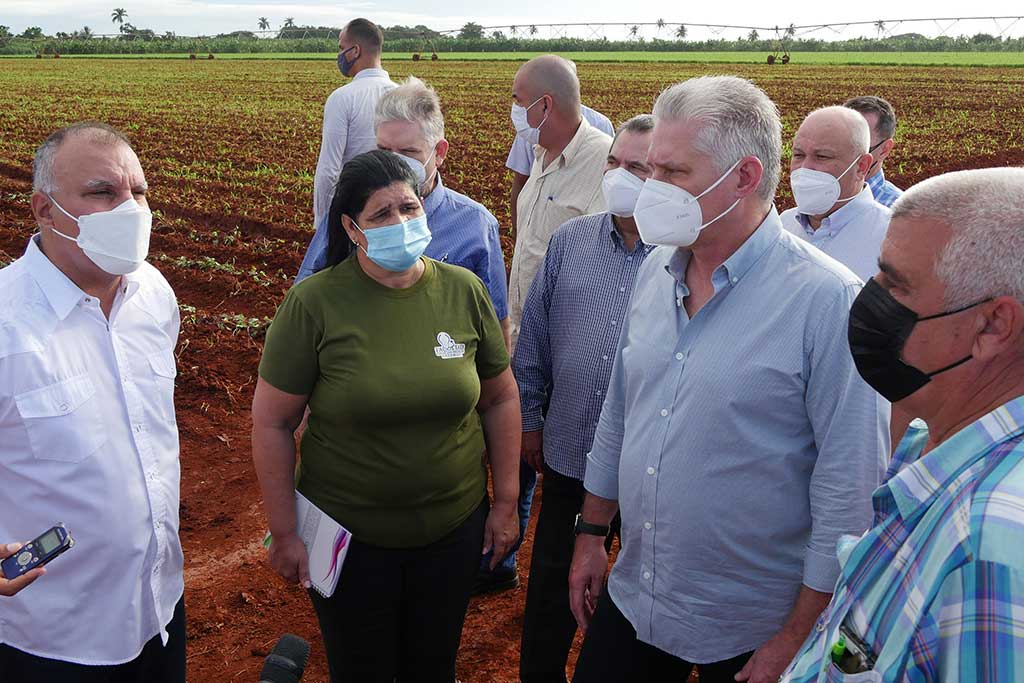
[
  {"x": 63, "y": 420},
  {"x": 834, "y": 675},
  {"x": 165, "y": 370}
]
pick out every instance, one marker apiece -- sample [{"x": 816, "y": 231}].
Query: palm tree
[
  {"x": 791, "y": 30},
  {"x": 634, "y": 31},
  {"x": 533, "y": 30},
  {"x": 681, "y": 32},
  {"x": 753, "y": 36},
  {"x": 85, "y": 33},
  {"x": 513, "y": 29},
  {"x": 660, "y": 23},
  {"x": 289, "y": 22},
  {"x": 264, "y": 23},
  {"x": 118, "y": 15},
  {"x": 880, "y": 27}
]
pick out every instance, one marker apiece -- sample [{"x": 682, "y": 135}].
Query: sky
[{"x": 205, "y": 17}]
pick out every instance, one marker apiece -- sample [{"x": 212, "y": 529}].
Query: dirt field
[{"x": 229, "y": 149}]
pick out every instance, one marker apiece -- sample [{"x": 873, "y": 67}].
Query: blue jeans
[{"x": 527, "y": 484}]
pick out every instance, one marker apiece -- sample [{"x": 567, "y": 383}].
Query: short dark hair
[
  {"x": 359, "y": 179},
  {"x": 641, "y": 123},
  {"x": 366, "y": 34},
  {"x": 870, "y": 104}
]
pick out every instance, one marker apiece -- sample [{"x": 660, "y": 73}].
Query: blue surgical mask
[
  {"x": 397, "y": 247},
  {"x": 345, "y": 65}
]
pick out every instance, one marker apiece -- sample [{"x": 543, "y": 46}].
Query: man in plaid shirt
[
  {"x": 881, "y": 118},
  {"x": 934, "y": 591}
]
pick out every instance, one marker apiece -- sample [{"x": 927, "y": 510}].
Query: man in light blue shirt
[
  {"x": 834, "y": 140},
  {"x": 409, "y": 122},
  {"x": 881, "y": 118},
  {"x": 737, "y": 440}
]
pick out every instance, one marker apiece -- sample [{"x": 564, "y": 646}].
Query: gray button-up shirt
[{"x": 740, "y": 445}]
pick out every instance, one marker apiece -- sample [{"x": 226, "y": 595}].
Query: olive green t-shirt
[{"x": 394, "y": 446}]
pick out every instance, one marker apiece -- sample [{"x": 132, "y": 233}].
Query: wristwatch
[{"x": 588, "y": 528}]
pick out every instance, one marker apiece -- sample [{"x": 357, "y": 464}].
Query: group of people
[{"x": 804, "y": 428}]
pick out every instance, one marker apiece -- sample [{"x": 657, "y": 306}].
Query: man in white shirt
[
  {"x": 348, "y": 114},
  {"x": 836, "y": 210},
  {"x": 87, "y": 425}
]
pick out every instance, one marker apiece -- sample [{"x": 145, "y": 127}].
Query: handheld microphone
[{"x": 286, "y": 661}]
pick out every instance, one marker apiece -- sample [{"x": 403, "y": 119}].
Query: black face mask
[{"x": 878, "y": 329}]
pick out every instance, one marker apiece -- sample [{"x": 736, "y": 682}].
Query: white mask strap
[{"x": 718, "y": 182}]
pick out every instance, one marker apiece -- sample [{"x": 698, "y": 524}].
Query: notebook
[{"x": 326, "y": 544}]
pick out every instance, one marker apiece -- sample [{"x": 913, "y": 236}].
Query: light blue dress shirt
[
  {"x": 852, "y": 235},
  {"x": 464, "y": 233},
  {"x": 740, "y": 445}
]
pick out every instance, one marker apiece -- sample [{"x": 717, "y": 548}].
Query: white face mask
[
  {"x": 419, "y": 168},
  {"x": 816, "y": 192},
  {"x": 523, "y": 127},
  {"x": 669, "y": 215},
  {"x": 117, "y": 240},
  {"x": 621, "y": 190}
]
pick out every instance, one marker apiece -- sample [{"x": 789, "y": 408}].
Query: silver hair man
[
  {"x": 416, "y": 102},
  {"x": 43, "y": 175}
]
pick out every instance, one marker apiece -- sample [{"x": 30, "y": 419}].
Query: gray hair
[
  {"x": 43, "y": 175},
  {"x": 870, "y": 104},
  {"x": 985, "y": 210},
  {"x": 737, "y": 119},
  {"x": 641, "y": 123},
  {"x": 416, "y": 102}
]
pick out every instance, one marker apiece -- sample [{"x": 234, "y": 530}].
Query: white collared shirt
[
  {"x": 852, "y": 235},
  {"x": 348, "y": 132},
  {"x": 88, "y": 438}
]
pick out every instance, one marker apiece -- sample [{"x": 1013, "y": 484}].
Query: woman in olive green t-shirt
[{"x": 402, "y": 365}]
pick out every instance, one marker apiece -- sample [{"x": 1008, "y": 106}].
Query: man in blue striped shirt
[
  {"x": 881, "y": 118},
  {"x": 934, "y": 591},
  {"x": 736, "y": 440},
  {"x": 409, "y": 122},
  {"x": 562, "y": 363}
]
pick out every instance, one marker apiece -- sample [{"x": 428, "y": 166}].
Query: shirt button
[
  {"x": 64, "y": 407},
  {"x": 680, "y": 356},
  {"x": 629, "y": 258},
  {"x": 647, "y": 576},
  {"x": 604, "y": 357},
  {"x": 613, "y": 322},
  {"x": 664, "y": 412},
  {"x": 598, "y": 393},
  {"x": 735, "y": 280},
  {"x": 650, "y": 470},
  {"x": 622, "y": 289},
  {"x": 647, "y": 525}
]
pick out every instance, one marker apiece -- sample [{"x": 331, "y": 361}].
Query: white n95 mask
[
  {"x": 117, "y": 240},
  {"x": 670, "y": 216},
  {"x": 621, "y": 190},
  {"x": 522, "y": 126},
  {"x": 815, "y": 192}
]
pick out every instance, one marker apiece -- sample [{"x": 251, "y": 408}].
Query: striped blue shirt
[
  {"x": 740, "y": 444},
  {"x": 936, "y": 587},
  {"x": 569, "y": 333},
  {"x": 885, "y": 192},
  {"x": 464, "y": 233}
]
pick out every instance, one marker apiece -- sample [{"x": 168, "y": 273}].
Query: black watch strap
[{"x": 588, "y": 528}]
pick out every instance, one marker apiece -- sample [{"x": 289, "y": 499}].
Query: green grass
[{"x": 835, "y": 58}]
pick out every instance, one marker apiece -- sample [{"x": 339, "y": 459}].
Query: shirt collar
[
  {"x": 841, "y": 217},
  {"x": 743, "y": 259},
  {"x": 371, "y": 73},
  {"x": 573, "y": 148},
  {"x": 877, "y": 181},
  {"x": 924, "y": 477},
  {"x": 608, "y": 228},
  {"x": 62, "y": 294},
  {"x": 432, "y": 202}
]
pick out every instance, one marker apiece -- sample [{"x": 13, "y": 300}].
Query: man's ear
[
  {"x": 42, "y": 209},
  {"x": 864, "y": 164},
  {"x": 750, "y": 173},
  {"x": 440, "y": 152},
  {"x": 883, "y": 150},
  {"x": 1001, "y": 330}
]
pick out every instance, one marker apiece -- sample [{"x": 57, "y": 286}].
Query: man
[
  {"x": 348, "y": 114},
  {"x": 835, "y": 210},
  {"x": 565, "y": 182},
  {"x": 736, "y": 440},
  {"x": 87, "y": 425},
  {"x": 562, "y": 363},
  {"x": 881, "y": 117},
  {"x": 935, "y": 589},
  {"x": 408, "y": 121}
]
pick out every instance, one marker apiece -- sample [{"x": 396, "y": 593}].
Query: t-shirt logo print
[{"x": 447, "y": 347}]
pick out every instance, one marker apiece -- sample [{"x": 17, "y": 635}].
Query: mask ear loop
[
  {"x": 713, "y": 186},
  {"x": 55, "y": 230},
  {"x": 854, "y": 195}
]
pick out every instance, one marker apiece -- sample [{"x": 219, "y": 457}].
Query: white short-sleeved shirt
[
  {"x": 520, "y": 157},
  {"x": 88, "y": 438},
  {"x": 347, "y": 133},
  {"x": 852, "y": 235}
]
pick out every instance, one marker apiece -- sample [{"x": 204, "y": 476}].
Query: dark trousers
[
  {"x": 155, "y": 664},
  {"x": 548, "y": 625},
  {"x": 611, "y": 653},
  {"x": 397, "y": 613}
]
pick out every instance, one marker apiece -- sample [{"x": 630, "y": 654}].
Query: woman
[{"x": 402, "y": 365}]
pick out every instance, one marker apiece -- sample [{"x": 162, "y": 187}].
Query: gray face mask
[{"x": 419, "y": 168}]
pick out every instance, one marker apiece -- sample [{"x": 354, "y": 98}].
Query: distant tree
[
  {"x": 753, "y": 36},
  {"x": 497, "y": 35},
  {"x": 790, "y": 31},
  {"x": 681, "y": 32},
  {"x": 979, "y": 38},
  {"x": 5, "y": 31},
  {"x": 32, "y": 32},
  {"x": 289, "y": 22},
  {"x": 880, "y": 27},
  {"x": 85, "y": 33},
  {"x": 169, "y": 35},
  {"x": 634, "y": 31},
  {"x": 533, "y": 30},
  {"x": 119, "y": 15},
  {"x": 471, "y": 30},
  {"x": 513, "y": 30},
  {"x": 264, "y": 23},
  {"x": 660, "y": 23}
]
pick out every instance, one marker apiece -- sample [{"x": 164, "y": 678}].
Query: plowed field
[{"x": 229, "y": 149}]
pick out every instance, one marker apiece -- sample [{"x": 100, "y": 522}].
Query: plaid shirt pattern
[
  {"x": 936, "y": 586},
  {"x": 885, "y": 192}
]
